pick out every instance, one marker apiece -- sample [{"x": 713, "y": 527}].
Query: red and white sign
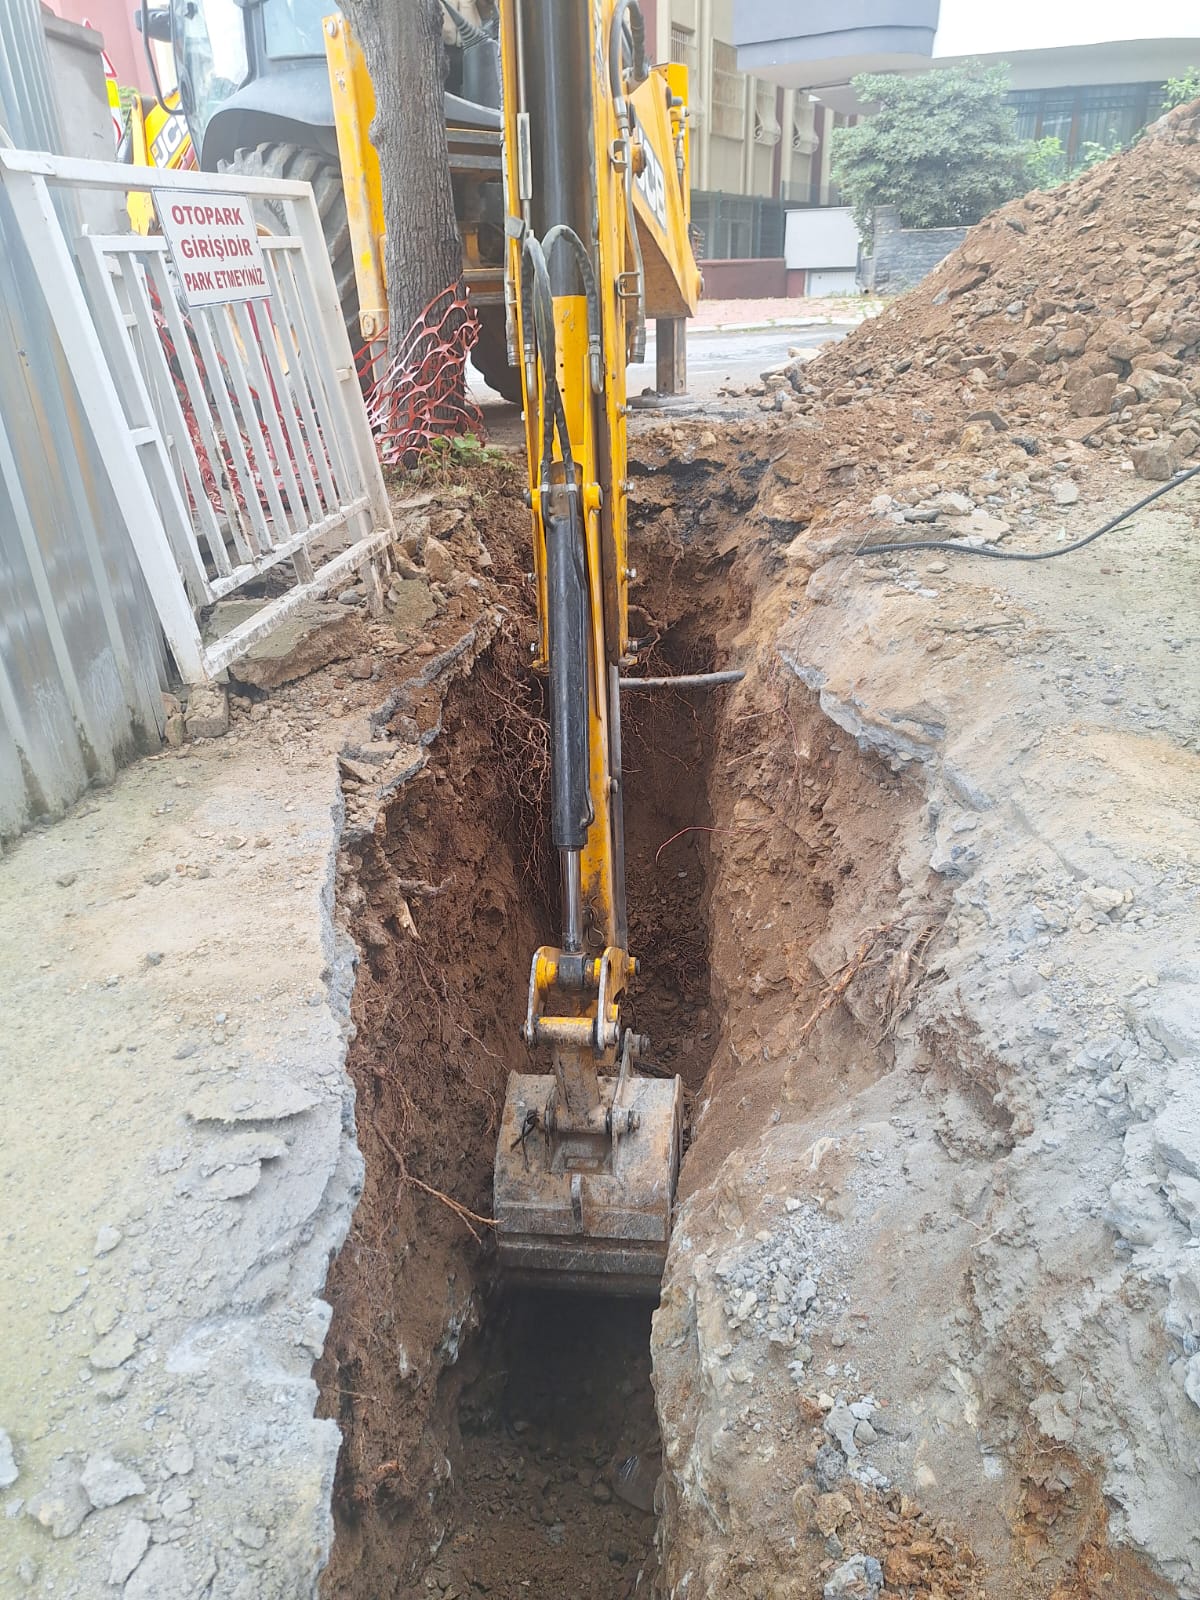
[{"x": 213, "y": 242}]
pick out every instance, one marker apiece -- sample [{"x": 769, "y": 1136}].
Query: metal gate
[{"x": 234, "y": 435}]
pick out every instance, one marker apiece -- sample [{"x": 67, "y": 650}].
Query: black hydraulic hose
[
  {"x": 537, "y": 304},
  {"x": 587, "y": 272},
  {"x": 567, "y": 623},
  {"x": 641, "y": 67},
  {"x": 898, "y": 546}
]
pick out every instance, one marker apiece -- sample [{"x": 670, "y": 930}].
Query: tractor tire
[
  {"x": 294, "y": 161},
  {"x": 490, "y": 356}
]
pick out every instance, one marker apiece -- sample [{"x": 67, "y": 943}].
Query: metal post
[{"x": 670, "y": 355}]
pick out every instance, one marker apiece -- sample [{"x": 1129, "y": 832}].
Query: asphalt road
[{"x": 716, "y": 356}]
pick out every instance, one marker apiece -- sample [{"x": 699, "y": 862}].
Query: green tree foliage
[
  {"x": 1181, "y": 91},
  {"x": 1047, "y": 160},
  {"x": 941, "y": 146}
]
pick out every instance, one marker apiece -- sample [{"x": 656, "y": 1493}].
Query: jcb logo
[
  {"x": 651, "y": 181},
  {"x": 173, "y": 134}
]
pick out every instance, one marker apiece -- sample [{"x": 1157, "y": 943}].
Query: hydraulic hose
[{"x": 591, "y": 295}]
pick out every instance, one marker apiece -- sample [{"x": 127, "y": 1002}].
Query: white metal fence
[{"x": 234, "y": 435}]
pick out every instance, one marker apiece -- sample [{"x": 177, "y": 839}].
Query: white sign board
[
  {"x": 820, "y": 238},
  {"x": 213, "y": 241}
]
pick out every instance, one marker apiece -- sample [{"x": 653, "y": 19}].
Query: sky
[{"x": 974, "y": 27}]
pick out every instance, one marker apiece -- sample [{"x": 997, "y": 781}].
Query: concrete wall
[
  {"x": 745, "y": 154},
  {"x": 824, "y": 43},
  {"x": 755, "y": 278},
  {"x": 114, "y": 19},
  {"x": 85, "y": 125},
  {"x": 900, "y": 256}
]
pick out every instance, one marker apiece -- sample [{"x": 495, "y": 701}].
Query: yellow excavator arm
[{"x": 597, "y": 209}]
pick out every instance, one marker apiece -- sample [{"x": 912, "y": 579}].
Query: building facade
[
  {"x": 1082, "y": 73},
  {"x": 758, "y": 146},
  {"x": 1087, "y": 75}
]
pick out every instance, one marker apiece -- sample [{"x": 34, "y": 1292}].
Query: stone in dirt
[
  {"x": 242, "y": 1150},
  {"x": 207, "y": 715},
  {"x": 9, "y": 1471},
  {"x": 860, "y": 1578},
  {"x": 829, "y": 1467},
  {"x": 63, "y": 1504},
  {"x": 108, "y": 1482},
  {"x": 179, "y": 1460},
  {"x": 839, "y": 1425},
  {"x": 162, "y": 1573},
  {"x": 314, "y": 636},
  {"x": 132, "y": 1544},
  {"x": 113, "y": 1350},
  {"x": 439, "y": 563},
  {"x": 1156, "y": 461},
  {"x": 234, "y": 1182}
]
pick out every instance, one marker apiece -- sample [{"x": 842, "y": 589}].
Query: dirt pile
[
  {"x": 1072, "y": 314},
  {"x": 934, "y": 1193}
]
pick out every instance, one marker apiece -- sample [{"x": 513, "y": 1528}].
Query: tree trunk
[{"x": 402, "y": 44}]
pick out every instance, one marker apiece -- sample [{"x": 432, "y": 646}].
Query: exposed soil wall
[
  {"x": 484, "y": 1437},
  {"x": 928, "y": 1321}
]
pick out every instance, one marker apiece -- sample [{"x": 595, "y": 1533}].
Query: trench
[{"x": 505, "y": 1443}]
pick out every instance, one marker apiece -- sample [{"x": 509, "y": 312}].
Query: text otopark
[{"x": 217, "y": 248}]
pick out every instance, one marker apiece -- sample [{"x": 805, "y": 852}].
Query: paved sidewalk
[{"x": 177, "y": 1146}]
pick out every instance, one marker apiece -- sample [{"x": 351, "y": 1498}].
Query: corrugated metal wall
[{"x": 81, "y": 655}]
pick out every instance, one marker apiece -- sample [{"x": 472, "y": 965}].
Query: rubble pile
[{"x": 1068, "y": 317}]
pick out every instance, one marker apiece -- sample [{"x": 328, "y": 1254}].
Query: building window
[
  {"x": 683, "y": 46},
  {"x": 728, "y": 92},
  {"x": 736, "y": 226},
  {"x": 1106, "y": 114}
]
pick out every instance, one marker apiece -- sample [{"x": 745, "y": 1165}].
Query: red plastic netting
[{"x": 421, "y": 396}]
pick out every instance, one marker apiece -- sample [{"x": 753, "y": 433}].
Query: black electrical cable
[{"x": 896, "y": 546}]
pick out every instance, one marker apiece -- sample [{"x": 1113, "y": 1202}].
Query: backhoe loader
[{"x": 278, "y": 88}]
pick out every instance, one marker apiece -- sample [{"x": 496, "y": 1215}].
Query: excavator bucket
[{"x": 583, "y": 1212}]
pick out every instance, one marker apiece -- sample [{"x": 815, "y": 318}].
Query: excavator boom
[{"x": 596, "y": 199}]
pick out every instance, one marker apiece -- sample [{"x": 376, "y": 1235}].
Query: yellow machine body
[
  {"x": 158, "y": 138},
  {"x": 353, "y": 113},
  {"x": 596, "y": 192}
]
